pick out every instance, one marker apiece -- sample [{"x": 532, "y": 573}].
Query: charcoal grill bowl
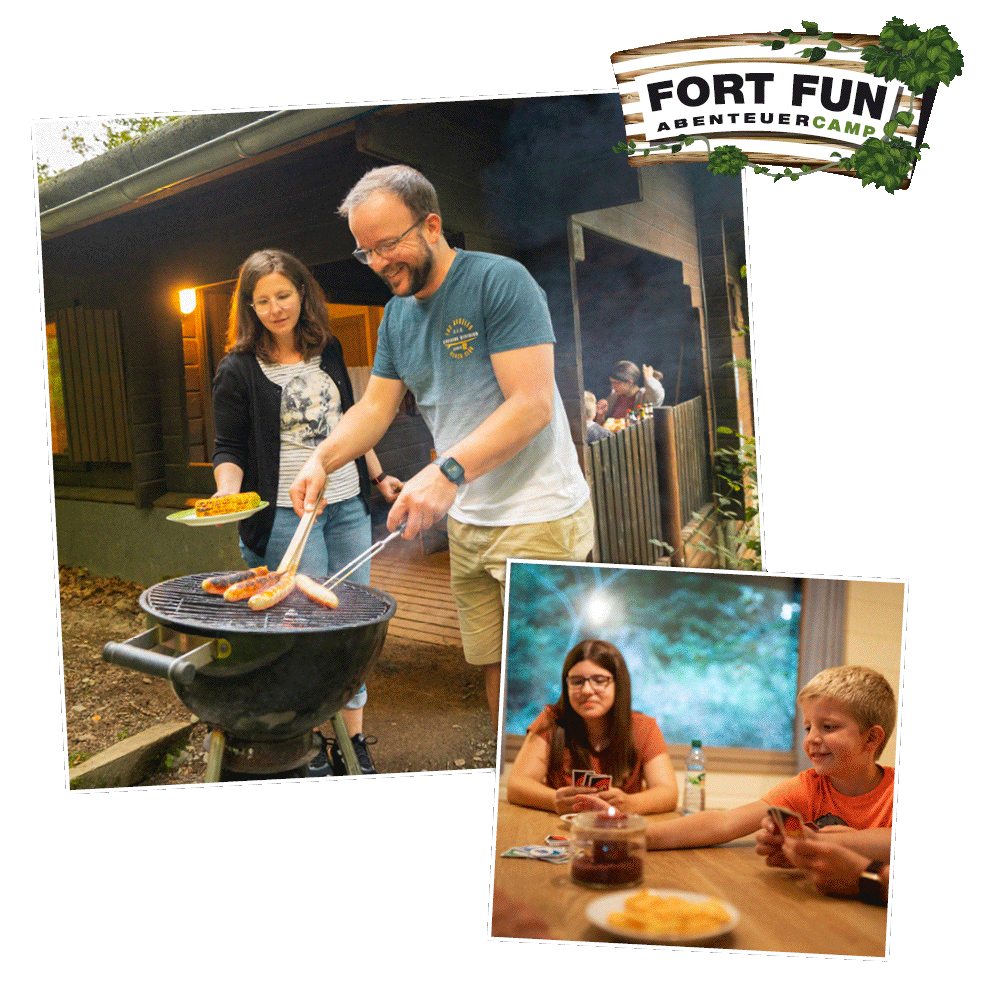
[{"x": 282, "y": 682}]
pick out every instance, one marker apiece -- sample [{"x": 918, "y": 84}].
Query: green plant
[{"x": 737, "y": 545}]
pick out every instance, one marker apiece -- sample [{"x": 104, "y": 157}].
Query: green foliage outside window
[{"x": 711, "y": 656}]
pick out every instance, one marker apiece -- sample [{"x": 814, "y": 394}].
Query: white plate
[
  {"x": 598, "y": 910},
  {"x": 192, "y": 520}
]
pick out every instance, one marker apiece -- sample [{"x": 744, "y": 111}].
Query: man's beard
[{"x": 418, "y": 274}]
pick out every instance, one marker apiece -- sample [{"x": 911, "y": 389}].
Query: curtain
[{"x": 821, "y": 639}]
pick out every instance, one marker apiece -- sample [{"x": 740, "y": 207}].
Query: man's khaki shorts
[{"x": 479, "y": 570}]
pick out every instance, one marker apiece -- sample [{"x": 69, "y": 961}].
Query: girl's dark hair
[
  {"x": 621, "y": 746},
  {"x": 246, "y": 333}
]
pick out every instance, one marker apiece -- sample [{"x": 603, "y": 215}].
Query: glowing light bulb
[{"x": 189, "y": 299}]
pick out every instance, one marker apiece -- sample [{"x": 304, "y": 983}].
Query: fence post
[{"x": 666, "y": 447}]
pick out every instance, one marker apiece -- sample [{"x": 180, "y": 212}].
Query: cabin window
[
  {"x": 87, "y": 386},
  {"x": 711, "y": 657}
]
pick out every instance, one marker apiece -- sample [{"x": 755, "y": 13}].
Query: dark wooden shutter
[{"x": 93, "y": 385}]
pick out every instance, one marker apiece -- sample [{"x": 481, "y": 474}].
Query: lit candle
[{"x": 612, "y": 858}]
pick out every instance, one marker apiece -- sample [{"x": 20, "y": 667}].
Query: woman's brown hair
[
  {"x": 621, "y": 743},
  {"x": 247, "y": 335}
]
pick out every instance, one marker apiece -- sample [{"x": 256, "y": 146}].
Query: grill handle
[{"x": 136, "y": 654}]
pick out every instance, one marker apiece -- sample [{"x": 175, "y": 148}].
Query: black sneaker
[
  {"x": 319, "y": 766},
  {"x": 361, "y": 743}
]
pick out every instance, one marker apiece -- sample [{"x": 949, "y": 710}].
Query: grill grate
[{"x": 183, "y": 604}]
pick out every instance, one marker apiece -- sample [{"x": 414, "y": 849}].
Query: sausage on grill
[
  {"x": 277, "y": 591},
  {"x": 317, "y": 592},
  {"x": 247, "y": 588},
  {"x": 220, "y": 584}
]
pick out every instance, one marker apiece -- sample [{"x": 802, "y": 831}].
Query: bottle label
[{"x": 694, "y": 792}]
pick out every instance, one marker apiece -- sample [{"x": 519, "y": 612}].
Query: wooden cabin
[{"x": 641, "y": 264}]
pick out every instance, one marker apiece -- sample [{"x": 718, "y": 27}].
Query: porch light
[{"x": 189, "y": 299}]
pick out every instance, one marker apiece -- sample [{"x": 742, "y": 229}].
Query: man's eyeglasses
[
  {"x": 384, "y": 249},
  {"x": 598, "y": 681}
]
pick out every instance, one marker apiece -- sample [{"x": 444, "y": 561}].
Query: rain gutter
[{"x": 249, "y": 140}]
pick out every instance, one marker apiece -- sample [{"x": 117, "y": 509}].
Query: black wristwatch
[
  {"x": 451, "y": 469},
  {"x": 870, "y": 886}
]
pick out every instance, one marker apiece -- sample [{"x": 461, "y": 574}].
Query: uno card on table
[{"x": 789, "y": 822}]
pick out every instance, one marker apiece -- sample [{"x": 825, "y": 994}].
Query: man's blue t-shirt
[{"x": 440, "y": 348}]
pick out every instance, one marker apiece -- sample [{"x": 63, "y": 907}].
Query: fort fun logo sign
[{"x": 851, "y": 104}]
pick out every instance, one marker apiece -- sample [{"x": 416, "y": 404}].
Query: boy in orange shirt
[{"x": 849, "y": 714}]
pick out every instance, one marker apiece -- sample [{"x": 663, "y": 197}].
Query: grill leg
[
  {"x": 216, "y": 746},
  {"x": 345, "y": 745}
]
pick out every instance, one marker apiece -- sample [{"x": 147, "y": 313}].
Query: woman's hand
[
  {"x": 588, "y": 802},
  {"x": 770, "y": 843},
  {"x": 615, "y": 797},
  {"x": 565, "y": 798},
  {"x": 390, "y": 488},
  {"x": 650, "y": 372}
]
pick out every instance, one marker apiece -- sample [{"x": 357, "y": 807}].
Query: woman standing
[
  {"x": 593, "y": 727},
  {"x": 279, "y": 391}
]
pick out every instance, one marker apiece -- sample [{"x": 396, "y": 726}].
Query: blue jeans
[{"x": 341, "y": 532}]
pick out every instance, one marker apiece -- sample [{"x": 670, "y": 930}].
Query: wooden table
[{"x": 779, "y": 909}]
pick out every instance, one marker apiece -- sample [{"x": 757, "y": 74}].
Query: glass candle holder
[{"x": 607, "y": 850}]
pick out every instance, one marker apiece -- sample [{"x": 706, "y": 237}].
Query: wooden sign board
[{"x": 776, "y": 106}]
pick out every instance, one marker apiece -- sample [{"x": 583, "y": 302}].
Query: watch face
[{"x": 451, "y": 469}]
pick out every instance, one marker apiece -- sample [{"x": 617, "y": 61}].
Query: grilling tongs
[
  {"x": 358, "y": 561},
  {"x": 293, "y": 554}
]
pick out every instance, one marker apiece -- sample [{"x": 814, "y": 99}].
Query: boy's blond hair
[
  {"x": 865, "y": 694},
  {"x": 590, "y": 405}
]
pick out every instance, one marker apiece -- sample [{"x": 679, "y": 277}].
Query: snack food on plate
[
  {"x": 226, "y": 504},
  {"x": 651, "y": 914}
]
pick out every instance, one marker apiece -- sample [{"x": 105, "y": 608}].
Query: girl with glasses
[{"x": 592, "y": 727}]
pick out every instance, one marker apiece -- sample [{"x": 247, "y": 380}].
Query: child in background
[
  {"x": 594, "y": 430},
  {"x": 849, "y": 714}
]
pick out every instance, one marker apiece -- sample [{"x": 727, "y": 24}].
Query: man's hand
[
  {"x": 602, "y": 408},
  {"x": 423, "y": 501},
  {"x": 308, "y": 486}
]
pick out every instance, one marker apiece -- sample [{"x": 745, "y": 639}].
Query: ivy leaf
[
  {"x": 785, "y": 31},
  {"x": 834, "y": 46},
  {"x": 889, "y": 128},
  {"x": 817, "y": 54},
  {"x": 905, "y": 118},
  {"x": 825, "y": 36},
  {"x": 810, "y": 27},
  {"x": 794, "y": 38},
  {"x": 776, "y": 44}
]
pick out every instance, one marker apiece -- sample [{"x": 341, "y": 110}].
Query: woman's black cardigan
[{"x": 247, "y": 409}]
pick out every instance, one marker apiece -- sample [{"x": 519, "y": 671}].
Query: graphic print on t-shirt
[
  {"x": 458, "y": 338},
  {"x": 308, "y": 401}
]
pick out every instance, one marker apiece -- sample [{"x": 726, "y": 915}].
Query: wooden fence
[
  {"x": 653, "y": 480},
  {"x": 684, "y": 465},
  {"x": 626, "y": 496}
]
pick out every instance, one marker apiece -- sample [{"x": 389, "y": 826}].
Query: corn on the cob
[{"x": 226, "y": 504}]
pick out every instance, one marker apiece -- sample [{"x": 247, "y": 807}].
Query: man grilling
[{"x": 470, "y": 334}]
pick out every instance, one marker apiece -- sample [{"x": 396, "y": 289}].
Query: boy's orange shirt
[{"x": 817, "y": 801}]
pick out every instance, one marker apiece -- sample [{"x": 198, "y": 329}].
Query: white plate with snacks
[
  {"x": 191, "y": 519},
  {"x": 690, "y": 917}
]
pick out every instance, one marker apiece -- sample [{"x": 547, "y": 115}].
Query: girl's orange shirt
[{"x": 649, "y": 743}]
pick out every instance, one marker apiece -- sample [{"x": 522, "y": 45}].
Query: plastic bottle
[{"x": 694, "y": 780}]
